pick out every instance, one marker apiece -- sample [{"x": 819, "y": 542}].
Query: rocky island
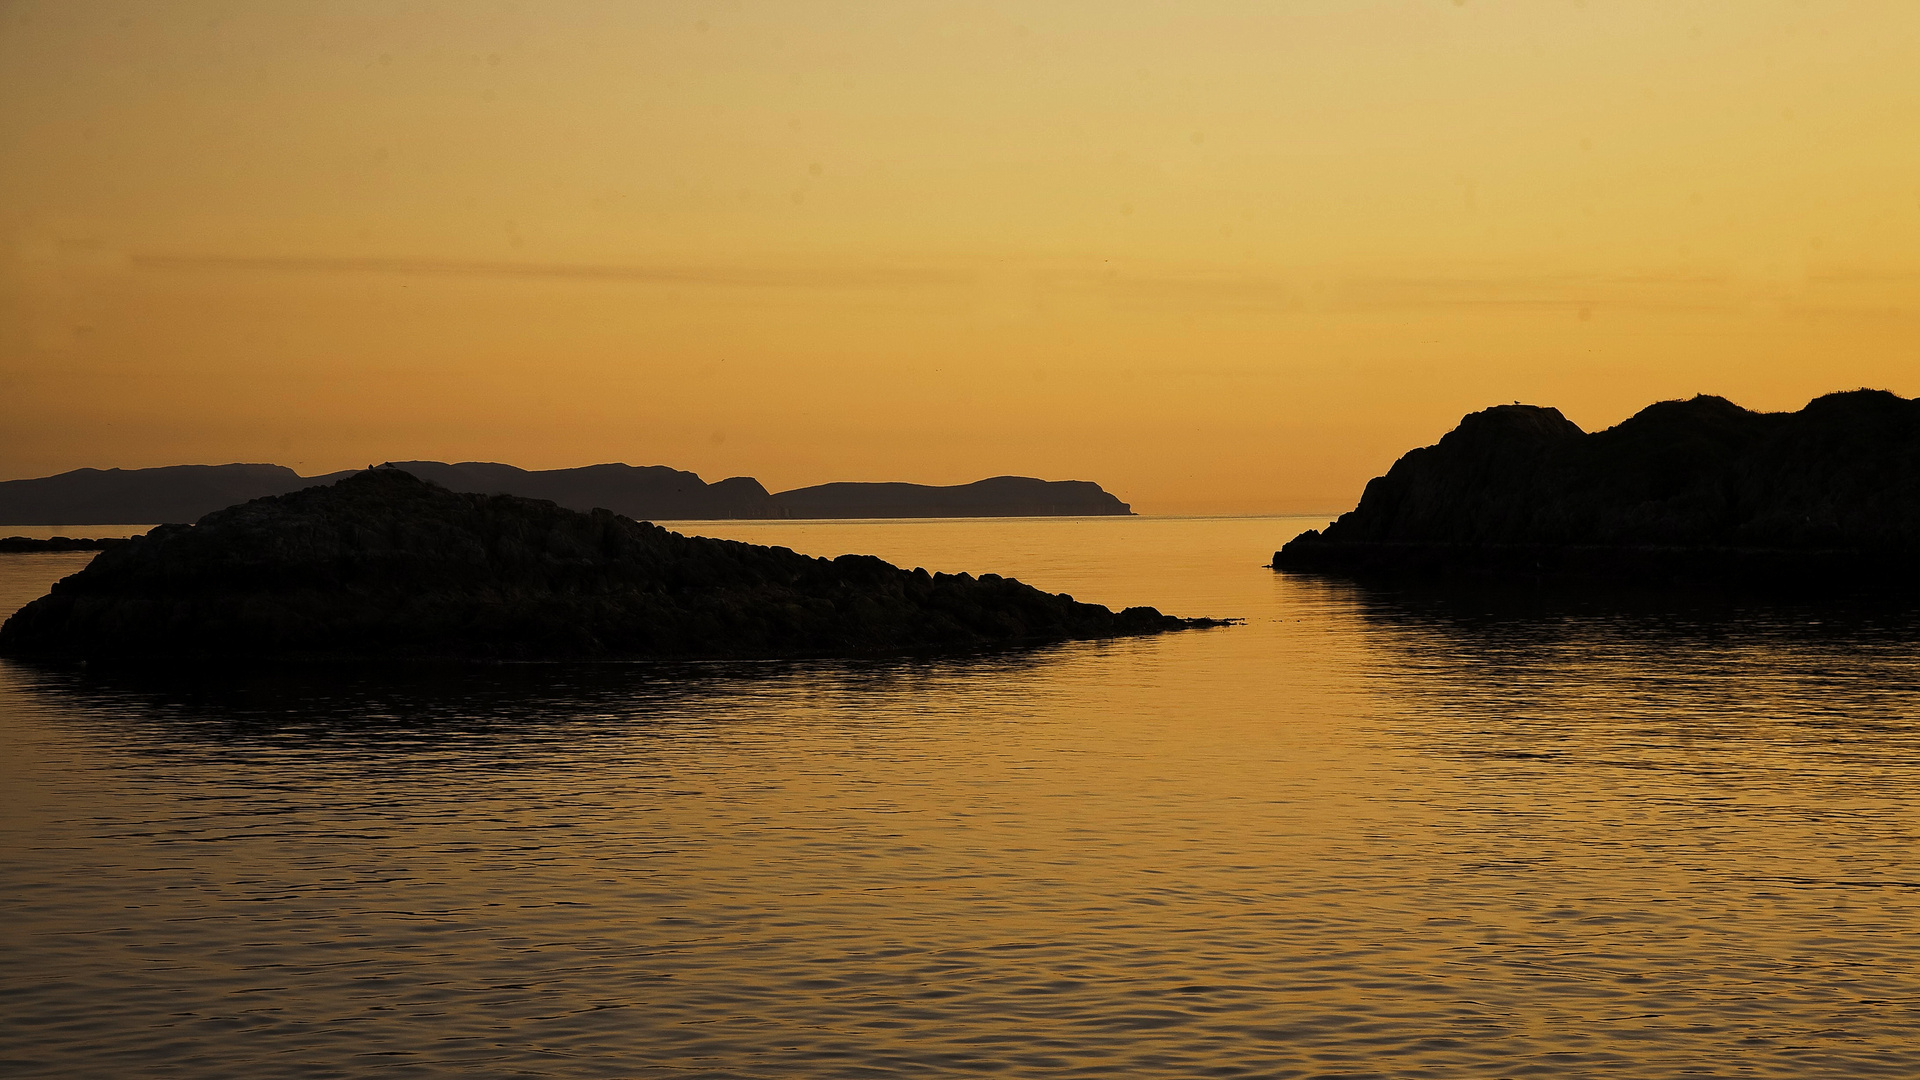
[
  {"x": 383, "y": 564},
  {"x": 1696, "y": 491}
]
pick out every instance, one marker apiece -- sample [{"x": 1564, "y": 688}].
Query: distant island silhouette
[
  {"x": 16, "y": 544},
  {"x": 184, "y": 493},
  {"x": 1684, "y": 491},
  {"x": 384, "y": 564}
]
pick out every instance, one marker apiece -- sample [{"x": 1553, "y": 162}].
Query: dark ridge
[
  {"x": 642, "y": 492},
  {"x": 1000, "y": 496},
  {"x": 184, "y": 493},
  {"x": 384, "y": 564},
  {"x": 1684, "y": 491},
  {"x": 13, "y": 544},
  {"x": 139, "y": 496}
]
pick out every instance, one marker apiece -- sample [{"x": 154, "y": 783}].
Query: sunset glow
[{"x": 1218, "y": 257}]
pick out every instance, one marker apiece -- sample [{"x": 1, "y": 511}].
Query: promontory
[
  {"x": 382, "y": 564},
  {"x": 1699, "y": 490}
]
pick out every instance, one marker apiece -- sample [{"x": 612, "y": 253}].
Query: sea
[{"x": 1366, "y": 832}]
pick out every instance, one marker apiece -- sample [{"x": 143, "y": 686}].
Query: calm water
[
  {"x": 42, "y": 532},
  {"x": 1364, "y": 834}
]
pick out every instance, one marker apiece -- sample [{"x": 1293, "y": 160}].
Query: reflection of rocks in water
[
  {"x": 382, "y": 564},
  {"x": 1691, "y": 685},
  {"x": 415, "y": 708},
  {"x": 1487, "y": 616}
]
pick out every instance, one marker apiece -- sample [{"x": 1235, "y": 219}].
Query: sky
[{"x": 1218, "y": 257}]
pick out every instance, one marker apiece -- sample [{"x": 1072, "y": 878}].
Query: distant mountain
[
  {"x": 184, "y": 493},
  {"x": 1681, "y": 491},
  {"x": 1001, "y": 496},
  {"x": 641, "y": 492},
  {"x": 141, "y": 496}
]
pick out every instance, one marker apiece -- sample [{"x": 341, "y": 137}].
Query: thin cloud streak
[
  {"x": 1348, "y": 293},
  {"x": 860, "y": 277}
]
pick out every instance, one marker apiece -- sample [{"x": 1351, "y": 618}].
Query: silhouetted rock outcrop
[
  {"x": 384, "y": 564},
  {"x": 1684, "y": 490},
  {"x": 644, "y": 492}
]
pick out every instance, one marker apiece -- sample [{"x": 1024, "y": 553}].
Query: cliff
[
  {"x": 1683, "y": 490},
  {"x": 384, "y": 564}
]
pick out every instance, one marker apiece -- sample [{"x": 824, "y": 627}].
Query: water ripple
[{"x": 1366, "y": 834}]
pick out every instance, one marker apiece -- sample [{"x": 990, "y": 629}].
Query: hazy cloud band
[{"x": 799, "y": 277}]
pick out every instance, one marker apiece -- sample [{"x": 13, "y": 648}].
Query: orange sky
[{"x": 1219, "y": 257}]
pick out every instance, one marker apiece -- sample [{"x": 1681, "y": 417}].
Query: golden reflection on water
[{"x": 1366, "y": 833}]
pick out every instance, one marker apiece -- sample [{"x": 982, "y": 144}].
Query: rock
[
  {"x": 1697, "y": 490},
  {"x": 384, "y": 564}
]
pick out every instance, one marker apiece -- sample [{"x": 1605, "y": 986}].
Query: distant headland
[
  {"x": 184, "y": 493},
  {"x": 1684, "y": 491},
  {"x": 15, "y": 544},
  {"x": 383, "y": 564}
]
